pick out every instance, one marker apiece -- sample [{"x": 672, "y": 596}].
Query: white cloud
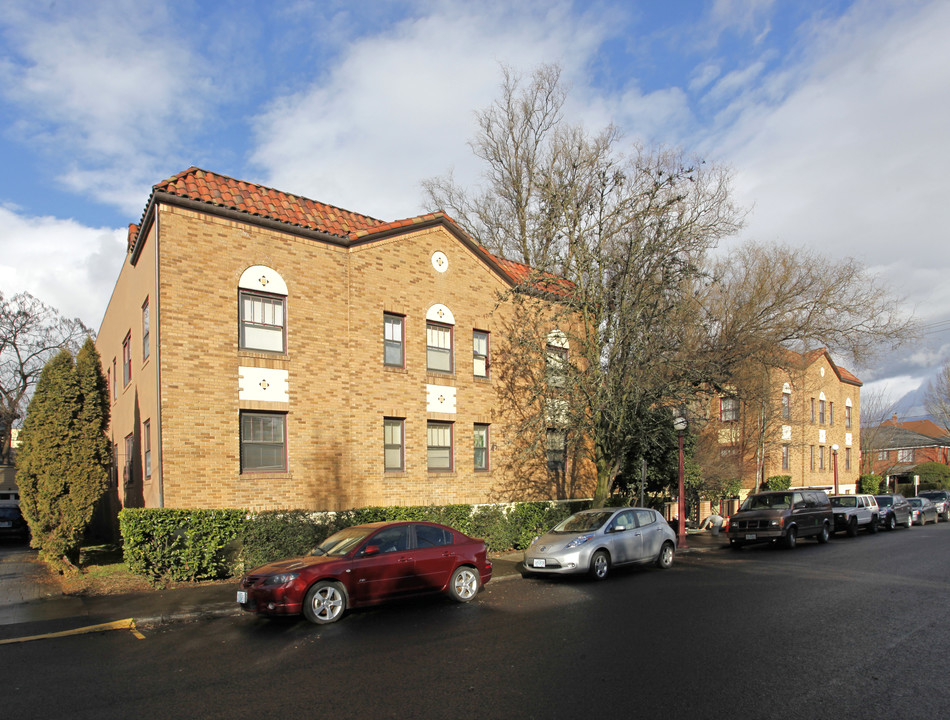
[
  {"x": 64, "y": 264},
  {"x": 107, "y": 88},
  {"x": 399, "y": 106}
]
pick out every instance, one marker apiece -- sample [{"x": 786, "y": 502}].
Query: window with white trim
[
  {"x": 728, "y": 409},
  {"x": 147, "y": 447},
  {"x": 145, "y": 331}
]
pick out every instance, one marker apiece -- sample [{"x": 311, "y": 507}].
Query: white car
[{"x": 594, "y": 541}]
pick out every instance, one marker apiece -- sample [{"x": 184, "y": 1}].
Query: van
[{"x": 782, "y": 516}]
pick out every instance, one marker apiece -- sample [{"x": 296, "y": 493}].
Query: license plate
[
  {"x": 242, "y": 597},
  {"x": 750, "y": 536},
  {"x": 538, "y": 562}
]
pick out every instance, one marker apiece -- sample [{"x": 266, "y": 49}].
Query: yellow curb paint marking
[{"x": 127, "y": 624}]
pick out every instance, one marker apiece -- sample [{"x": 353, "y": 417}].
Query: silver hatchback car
[{"x": 594, "y": 541}]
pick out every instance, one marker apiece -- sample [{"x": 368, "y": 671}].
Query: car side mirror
[{"x": 370, "y": 550}]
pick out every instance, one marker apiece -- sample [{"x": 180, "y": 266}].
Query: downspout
[{"x": 158, "y": 361}]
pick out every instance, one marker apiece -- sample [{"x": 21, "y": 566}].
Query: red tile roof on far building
[{"x": 237, "y": 196}]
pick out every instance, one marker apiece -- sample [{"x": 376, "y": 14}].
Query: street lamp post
[
  {"x": 679, "y": 424},
  {"x": 834, "y": 464}
]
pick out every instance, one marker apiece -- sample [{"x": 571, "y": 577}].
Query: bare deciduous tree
[
  {"x": 31, "y": 333},
  {"x": 629, "y": 233},
  {"x": 937, "y": 399}
]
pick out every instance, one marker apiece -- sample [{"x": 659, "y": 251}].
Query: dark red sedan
[{"x": 368, "y": 564}]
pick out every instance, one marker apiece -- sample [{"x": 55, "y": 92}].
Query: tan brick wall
[{"x": 339, "y": 388}]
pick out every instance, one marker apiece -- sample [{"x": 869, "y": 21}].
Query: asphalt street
[{"x": 851, "y": 629}]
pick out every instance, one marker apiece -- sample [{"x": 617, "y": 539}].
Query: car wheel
[
  {"x": 946, "y": 516},
  {"x": 791, "y": 537},
  {"x": 665, "y": 559},
  {"x": 600, "y": 565},
  {"x": 325, "y": 602},
  {"x": 852, "y": 527},
  {"x": 891, "y": 522},
  {"x": 910, "y": 521},
  {"x": 464, "y": 584},
  {"x": 826, "y": 533},
  {"x": 872, "y": 528}
]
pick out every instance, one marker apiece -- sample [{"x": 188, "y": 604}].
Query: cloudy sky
[{"x": 832, "y": 113}]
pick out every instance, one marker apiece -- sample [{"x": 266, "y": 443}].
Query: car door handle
[
  {"x": 448, "y": 553},
  {"x": 404, "y": 559}
]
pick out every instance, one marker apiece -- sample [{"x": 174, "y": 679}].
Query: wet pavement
[{"x": 31, "y": 603}]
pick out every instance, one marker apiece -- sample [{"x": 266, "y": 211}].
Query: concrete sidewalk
[{"x": 30, "y": 600}]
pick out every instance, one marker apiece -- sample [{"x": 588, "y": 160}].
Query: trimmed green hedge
[{"x": 177, "y": 545}]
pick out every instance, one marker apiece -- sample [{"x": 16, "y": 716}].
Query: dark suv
[
  {"x": 783, "y": 516},
  {"x": 895, "y": 510}
]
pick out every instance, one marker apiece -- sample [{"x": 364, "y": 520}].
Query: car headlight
[
  {"x": 281, "y": 578},
  {"x": 533, "y": 541},
  {"x": 578, "y": 541}
]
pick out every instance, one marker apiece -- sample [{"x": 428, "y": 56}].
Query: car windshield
[
  {"x": 844, "y": 502},
  {"x": 340, "y": 543},
  {"x": 916, "y": 502},
  {"x": 583, "y": 522},
  {"x": 884, "y": 500},
  {"x": 782, "y": 501},
  {"x": 9, "y": 513},
  {"x": 932, "y": 495}
]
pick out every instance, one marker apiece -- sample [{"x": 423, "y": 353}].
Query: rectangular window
[
  {"x": 821, "y": 412},
  {"x": 262, "y": 322},
  {"x": 115, "y": 380},
  {"x": 785, "y": 463},
  {"x": 821, "y": 457},
  {"x": 847, "y": 416},
  {"x": 831, "y": 413},
  {"x": 127, "y": 360},
  {"x": 556, "y": 448},
  {"x": 905, "y": 455},
  {"x": 438, "y": 348},
  {"x": 263, "y": 442},
  {"x": 813, "y": 411},
  {"x": 127, "y": 475},
  {"x": 811, "y": 459},
  {"x": 393, "y": 447},
  {"x": 882, "y": 454},
  {"x": 728, "y": 409},
  {"x": 439, "y": 446},
  {"x": 847, "y": 458},
  {"x": 393, "y": 334},
  {"x": 147, "y": 446},
  {"x": 786, "y": 406},
  {"x": 557, "y": 366},
  {"x": 145, "y": 331},
  {"x": 481, "y": 447},
  {"x": 480, "y": 353}
]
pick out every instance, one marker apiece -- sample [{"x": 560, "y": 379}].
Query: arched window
[{"x": 262, "y": 310}]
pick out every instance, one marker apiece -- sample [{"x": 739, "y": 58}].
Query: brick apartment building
[
  {"x": 264, "y": 350},
  {"x": 808, "y": 426}
]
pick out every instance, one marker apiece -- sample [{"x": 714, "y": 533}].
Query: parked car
[
  {"x": 782, "y": 516},
  {"x": 941, "y": 501},
  {"x": 922, "y": 511},
  {"x": 594, "y": 541},
  {"x": 368, "y": 564},
  {"x": 895, "y": 510},
  {"x": 12, "y": 524},
  {"x": 853, "y": 512}
]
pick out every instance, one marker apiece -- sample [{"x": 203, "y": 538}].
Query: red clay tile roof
[
  {"x": 225, "y": 192},
  {"x": 221, "y": 191}
]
